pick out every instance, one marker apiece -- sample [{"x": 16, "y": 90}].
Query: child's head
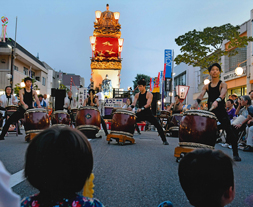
[
  {"x": 59, "y": 161},
  {"x": 207, "y": 178}
]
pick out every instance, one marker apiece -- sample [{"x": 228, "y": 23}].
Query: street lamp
[
  {"x": 22, "y": 84},
  {"x": 92, "y": 42},
  {"x": 206, "y": 81},
  {"x": 239, "y": 70}
]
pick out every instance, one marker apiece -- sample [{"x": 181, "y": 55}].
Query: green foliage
[
  {"x": 62, "y": 86},
  {"x": 139, "y": 77},
  {"x": 202, "y": 48},
  {"x": 18, "y": 87}
]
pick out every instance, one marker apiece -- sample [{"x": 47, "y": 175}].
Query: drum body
[
  {"x": 174, "y": 122},
  {"x": 11, "y": 109},
  {"x": 60, "y": 118},
  {"x": 123, "y": 122},
  {"x": 36, "y": 120},
  {"x": 88, "y": 120},
  {"x": 198, "y": 128},
  {"x": 74, "y": 112}
]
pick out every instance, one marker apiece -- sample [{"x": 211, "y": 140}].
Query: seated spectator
[
  {"x": 58, "y": 162},
  {"x": 207, "y": 178},
  {"x": 7, "y": 196},
  {"x": 249, "y": 129},
  {"x": 42, "y": 102},
  {"x": 230, "y": 109},
  {"x": 127, "y": 104},
  {"x": 235, "y": 98}
]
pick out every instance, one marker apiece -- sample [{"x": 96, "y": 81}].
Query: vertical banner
[
  {"x": 82, "y": 95},
  {"x": 168, "y": 62}
]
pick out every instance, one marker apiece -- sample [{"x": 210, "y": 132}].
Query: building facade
[
  {"x": 24, "y": 64},
  {"x": 186, "y": 75},
  {"x": 241, "y": 85}
]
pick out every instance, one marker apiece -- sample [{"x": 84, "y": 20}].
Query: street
[{"x": 141, "y": 174}]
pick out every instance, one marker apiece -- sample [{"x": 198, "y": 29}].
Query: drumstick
[{"x": 212, "y": 108}]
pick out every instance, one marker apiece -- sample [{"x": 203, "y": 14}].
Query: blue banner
[{"x": 168, "y": 62}]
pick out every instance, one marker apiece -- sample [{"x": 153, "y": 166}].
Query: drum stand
[
  {"x": 121, "y": 139},
  {"x": 30, "y": 136},
  {"x": 186, "y": 147}
]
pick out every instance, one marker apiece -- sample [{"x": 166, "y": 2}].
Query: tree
[
  {"x": 62, "y": 86},
  {"x": 139, "y": 77},
  {"x": 202, "y": 48}
]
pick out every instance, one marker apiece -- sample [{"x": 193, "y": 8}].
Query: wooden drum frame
[{"x": 60, "y": 118}]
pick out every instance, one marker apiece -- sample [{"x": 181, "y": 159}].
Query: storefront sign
[
  {"x": 232, "y": 75},
  {"x": 168, "y": 63},
  {"x": 113, "y": 102}
]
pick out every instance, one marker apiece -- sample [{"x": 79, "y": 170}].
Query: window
[
  {"x": 43, "y": 81},
  {"x": 37, "y": 78},
  {"x": 233, "y": 61},
  {"x": 15, "y": 67},
  {"x": 180, "y": 79},
  {"x": 25, "y": 71},
  {"x": 33, "y": 74}
]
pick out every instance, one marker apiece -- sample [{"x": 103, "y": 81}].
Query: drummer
[
  {"x": 70, "y": 103},
  {"x": 26, "y": 99},
  {"x": 93, "y": 101},
  {"x": 177, "y": 106},
  {"x": 217, "y": 90},
  {"x": 7, "y": 99},
  {"x": 144, "y": 113}
]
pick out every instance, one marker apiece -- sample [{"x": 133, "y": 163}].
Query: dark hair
[
  {"x": 40, "y": 96},
  {"x": 141, "y": 82},
  {"x": 205, "y": 175},
  {"x": 59, "y": 161},
  {"x": 6, "y": 88},
  {"x": 246, "y": 98},
  {"x": 177, "y": 96},
  {"x": 231, "y": 101},
  {"x": 91, "y": 90},
  {"x": 250, "y": 92},
  {"x": 27, "y": 78},
  {"x": 215, "y": 64}
]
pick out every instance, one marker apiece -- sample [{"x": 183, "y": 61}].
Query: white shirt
[
  {"x": 7, "y": 196},
  {"x": 67, "y": 103},
  {"x": 100, "y": 96},
  {"x": 7, "y": 102}
]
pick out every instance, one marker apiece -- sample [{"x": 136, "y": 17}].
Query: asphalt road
[{"x": 142, "y": 174}]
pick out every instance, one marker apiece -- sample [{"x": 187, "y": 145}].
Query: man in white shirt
[
  {"x": 101, "y": 99},
  {"x": 70, "y": 103},
  {"x": 7, "y": 99},
  {"x": 45, "y": 99}
]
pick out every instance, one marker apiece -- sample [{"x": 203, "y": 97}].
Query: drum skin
[
  {"x": 88, "y": 120},
  {"x": 11, "y": 107},
  {"x": 165, "y": 113},
  {"x": 36, "y": 120},
  {"x": 123, "y": 122},
  {"x": 198, "y": 126},
  {"x": 60, "y": 117}
]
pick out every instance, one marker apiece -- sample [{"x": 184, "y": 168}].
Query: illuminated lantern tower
[{"x": 106, "y": 46}]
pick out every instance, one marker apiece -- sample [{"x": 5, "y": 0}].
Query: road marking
[{"x": 18, "y": 177}]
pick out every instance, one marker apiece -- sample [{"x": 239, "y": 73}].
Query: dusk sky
[{"x": 59, "y": 30}]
